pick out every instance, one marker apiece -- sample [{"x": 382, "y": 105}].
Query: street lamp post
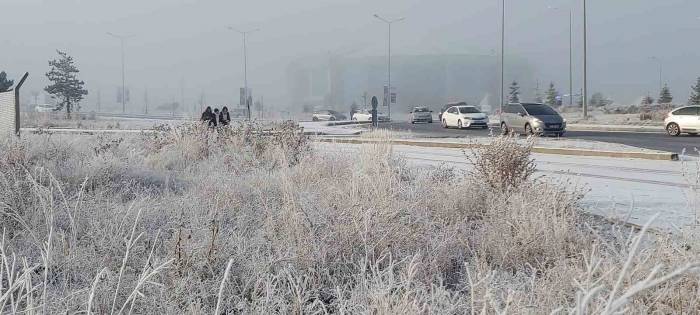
[
  {"x": 121, "y": 39},
  {"x": 571, "y": 56},
  {"x": 245, "y": 65},
  {"x": 503, "y": 47},
  {"x": 585, "y": 62},
  {"x": 389, "y": 22},
  {"x": 661, "y": 69}
]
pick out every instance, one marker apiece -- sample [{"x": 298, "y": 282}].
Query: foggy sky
[{"x": 185, "y": 42}]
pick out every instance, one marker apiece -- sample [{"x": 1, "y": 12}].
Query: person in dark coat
[
  {"x": 215, "y": 117},
  {"x": 224, "y": 117},
  {"x": 208, "y": 116}
]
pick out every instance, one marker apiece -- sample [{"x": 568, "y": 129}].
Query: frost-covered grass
[{"x": 250, "y": 221}]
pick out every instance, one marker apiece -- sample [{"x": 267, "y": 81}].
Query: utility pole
[
  {"x": 99, "y": 100},
  {"x": 661, "y": 69},
  {"x": 503, "y": 58},
  {"x": 585, "y": 62},
  {"x": 245, "y": 65},
  {"x": 121, "y": 41},
  {"x": 145, "y": 100},
  {"x": 389, "y": 22},
  {"x": 571, "y": 59},
  {"x": 182, "y": 94}
]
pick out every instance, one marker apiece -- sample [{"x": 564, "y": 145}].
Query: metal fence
[{"x": 8, "y": 123}]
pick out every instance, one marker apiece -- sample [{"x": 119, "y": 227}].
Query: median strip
[{"x": 658, "y": 155}]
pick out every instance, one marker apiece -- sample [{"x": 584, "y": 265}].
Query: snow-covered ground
[
  {"x": 601, "y": 118},
  {"x": 322, "y": 128},
  {"x": 543, "y": 142},
  {"x": 625, "y": 189}
]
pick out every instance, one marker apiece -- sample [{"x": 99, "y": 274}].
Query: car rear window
[
  {"x": 468, "y": 110},
  {"x": 420, "y": 110},
  {"x": 538, "y": 109}
]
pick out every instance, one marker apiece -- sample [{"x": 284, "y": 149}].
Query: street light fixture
[
  {"x": 245, "y": 65},
  {"x": 571, "y": 59},
  {"x": 121, "y": 39},
  {"x": 389, "y": 22}
]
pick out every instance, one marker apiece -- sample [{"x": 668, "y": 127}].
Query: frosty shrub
[
  {"x": 250, "y": 219},
  {"x": 502, "y": 164}
]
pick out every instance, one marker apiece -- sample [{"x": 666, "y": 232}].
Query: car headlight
[{"x": 537, "y": 122}]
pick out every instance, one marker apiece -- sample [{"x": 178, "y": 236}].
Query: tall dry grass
[{"x": 253, "y": 220}]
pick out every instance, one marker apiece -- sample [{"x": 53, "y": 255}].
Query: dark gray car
[{"x": 532, "y": 119}]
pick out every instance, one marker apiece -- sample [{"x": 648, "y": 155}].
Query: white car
[
  {"x": 464, "y": 117},
  {"x": 683, "y": 120},
  {"x": 366, "y": 115}
]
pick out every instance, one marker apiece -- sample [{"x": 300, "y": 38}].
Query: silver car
[
  {"x": 329, "y": 115},
  {"x": 532, "y": 119},
  {"x": 421, "y": 114}
]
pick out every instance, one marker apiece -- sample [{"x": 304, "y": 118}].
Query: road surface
[{"x": 647, "y": 140}]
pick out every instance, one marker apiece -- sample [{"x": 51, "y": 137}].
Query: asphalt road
[{"x": 653, "y": 141}]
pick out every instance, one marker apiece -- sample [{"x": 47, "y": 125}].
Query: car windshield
[
  {"x": 420, "y": 110},
  {"x": 468, "y": 110},
  {"x": 539, "y": 109}
]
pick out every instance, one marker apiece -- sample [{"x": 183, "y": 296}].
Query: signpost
[{"x": 375, "y": 118}]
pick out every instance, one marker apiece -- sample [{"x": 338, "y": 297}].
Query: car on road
[
  {"x": 683, "y": 120},
  {"x": 464, "y": 117},
  {"x": 366, "y": 115},
  {"x": 421, "y": 114},
  {"x": 329, "y": 115},
  {"x": 532, "y": 119},
  {"x": 447, "y": 106}
]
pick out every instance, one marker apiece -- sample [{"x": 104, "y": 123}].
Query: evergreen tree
[
  {"x": 695, "y": 94},
  {"x": 514, "y": 93},
  {"x": 665, "y": 96},
  {"x": 551, "y": 95},
  {"x": 647, "y": 100},
  {"x": 65, "y": 84},
  {"x": 5, "y": 84}
]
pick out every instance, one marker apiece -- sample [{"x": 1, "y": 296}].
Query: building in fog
[{"x": 336, "y": 82}]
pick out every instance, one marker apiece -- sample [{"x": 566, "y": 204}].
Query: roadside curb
[
  {"x": 649, "y": 129},
  {"x": 605, "y": 128},
  {"x": 658, "y": 156}
]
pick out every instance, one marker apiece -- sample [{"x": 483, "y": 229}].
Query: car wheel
[
  {"x": 459, "y": 125},
  {"x": 314, "y": 119},
  {"x": 673, "y": 129},
  {"x": 413, "y": 122},
  {"x": 332, "y": 119},
  {"x": 504, "y": 129},
  {"x": 528, "y": 130},
  {"x": 444, "y": 123}
]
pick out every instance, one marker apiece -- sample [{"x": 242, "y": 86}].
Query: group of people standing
[{"x": 216, "y": 118}]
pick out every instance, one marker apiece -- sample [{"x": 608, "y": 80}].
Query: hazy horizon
[{"x": 186, "y": 43}]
